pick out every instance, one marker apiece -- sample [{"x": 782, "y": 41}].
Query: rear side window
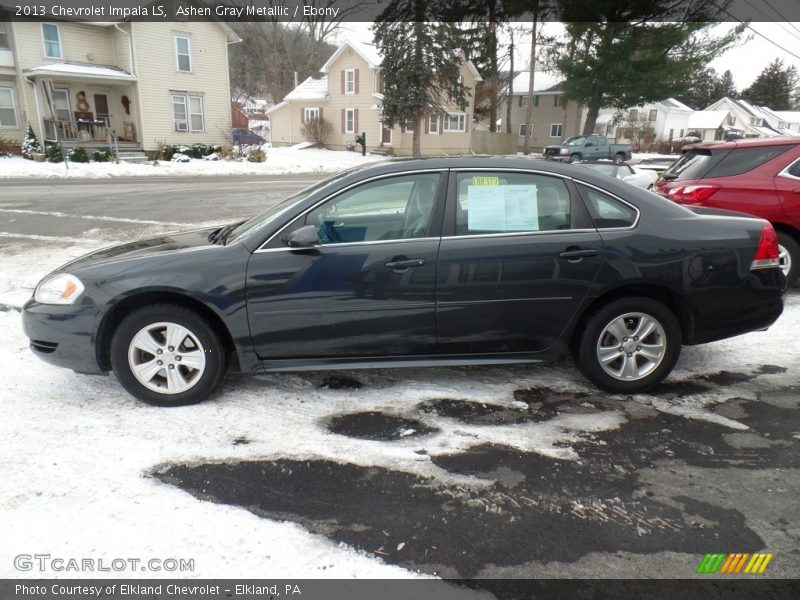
[
  {"x": 742, "y": 160},
  {"x": 607, "y": 212},
  {"x": 794, "y": 170},
  {"x": 501, "y": 202}
]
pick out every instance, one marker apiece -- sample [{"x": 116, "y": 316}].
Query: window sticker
[
  {"x": 503, "y": 208},
  {"x": 476, "y": 180}
]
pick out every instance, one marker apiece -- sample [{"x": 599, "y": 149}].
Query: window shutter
[
  {"x": 428, "y": 124},
  {"x": 355, "y": 120},
  {"x": 441, "y": 124},
  {"x": 342, "y": 87},
  {"x": 356, "y": 81},
  {"x": 380, "y": 82},
  {"x": 520, "y": 101},
  {"x": 319, "y": 114},
  {"x": 344, "y": 120},
  {"x": 302, "y": 115},
  {"x": 466, "y": 123}
]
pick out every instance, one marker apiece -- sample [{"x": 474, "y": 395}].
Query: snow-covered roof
[
  {"x": 707, "y": 119},
  {"x": 790, "y": 116},
  {"x": 542, "y": 82},
  {"x": 81, "y": 71},
  {"x": 674, "y": 104},
  {"x": 367, "y": 51},
  {"x": 310, "y": 89},
  {"x": 604, "y": 118}
]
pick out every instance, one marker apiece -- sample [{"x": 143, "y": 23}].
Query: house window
[
  {"x": 681, "y": 132},
  {"x": 523, "y": 128},
  {"x": 536, "y": 101},
  {"x": 556, "y": 130},
  {"x": 434, "y": 124},
  {"x": 349, "y": 120},
  {"x": 408, "y": 126},
  {"x": 557, "y": 100},
  {"x": 310, "y": 114},
  {"x": 633, "y": 115},
  {"x": 52, "y": 40},
  {"x": 8, "y": 112},
  {"x": 653, "y": 115},
  {"x": 187, "y": 112},
  {"x": 61, "y": 105},
  {"x": 183, "y": 53},
  {"x": 5, "y": 36},
  {"x": 455, "y": 122},
  {"x": 523, "y": 101},
  {"x": 350, "y": 81}
]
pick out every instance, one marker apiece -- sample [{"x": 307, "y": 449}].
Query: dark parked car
[
  {"x": 246, "y": 137},
  {"x": 416, "y": 263},
  {"x": 759, "y": 177}
]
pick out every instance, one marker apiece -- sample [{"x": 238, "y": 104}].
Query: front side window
[
  {"x": 607, "y": 212},
  {"x": 5, "y": 36},
  {"x": 8, "y": 112},
  {"x": 556, "y": 129},
  {"x": 52, "y": 40},
  {"x": 350, "y": 81},
  {"x": 61, "y": 105},
  {"x": 310, "y": 114},
  {"x": 387, "y": 209},
  {"x": 500, "y": 202},
  {"x": 455, "y": 122},
  {"x": 183, "y": 53}
]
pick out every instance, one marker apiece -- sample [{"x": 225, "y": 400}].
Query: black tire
[
  {"x": 575, "y": 158},
  {"x": 793, "y": 250},
  {"x": 619, "y": 159},
  {"x": 593, "y": 333},
  {"x": 203, "y": 380}
]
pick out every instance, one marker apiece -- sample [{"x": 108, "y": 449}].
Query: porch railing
[{"x": 76, "y": 131}]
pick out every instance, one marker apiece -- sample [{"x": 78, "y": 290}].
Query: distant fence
[{"x": 486, "y": 142}]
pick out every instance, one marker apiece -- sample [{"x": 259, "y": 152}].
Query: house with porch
[
  {"x": 661, "y": 121},
  {"x": 134, "y": 84},
  {"x": 349, "y": 95},
  {"x": 746, "y": 119}
]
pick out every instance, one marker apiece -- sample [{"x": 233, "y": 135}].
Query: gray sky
[{"x": 745, "y": 61}]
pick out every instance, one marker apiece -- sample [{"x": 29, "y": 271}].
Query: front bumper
[{"x": 64, "y": 336}]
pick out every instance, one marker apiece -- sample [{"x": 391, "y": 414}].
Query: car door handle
[
  {"x": 577, "y": 254},
  {"x": 404, "y": 264},
  {"x": 796, "y": 190}
]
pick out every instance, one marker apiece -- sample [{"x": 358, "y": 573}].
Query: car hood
[{"x": 149, "y": 247}]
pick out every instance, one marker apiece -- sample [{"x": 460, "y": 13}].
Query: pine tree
[
  {"x": 30, "y": 144},
  {"x": 774, "y": 87},
  {"x": 421, "y": 62},
  {"x": 725, "y": 87}
]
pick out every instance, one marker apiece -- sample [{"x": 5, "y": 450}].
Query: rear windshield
[
  {"x": 702, "y": 163},
  {"x": 693, "y": 164}
]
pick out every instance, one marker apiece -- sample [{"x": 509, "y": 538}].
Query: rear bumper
[
  {"x": 720, "y": 314},
  {"x": 64, "y": 336}
]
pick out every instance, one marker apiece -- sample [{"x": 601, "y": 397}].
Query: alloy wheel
[
  {"x": 166, "y": 358},
  {"x": 631, "y": 346}
]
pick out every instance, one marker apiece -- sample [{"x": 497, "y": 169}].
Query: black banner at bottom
[{"x": 400, "y": 589}]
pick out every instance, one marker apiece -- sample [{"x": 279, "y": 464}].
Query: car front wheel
[
  {"x": 167, "y": 355},
  {"x": 629, "y": 345}
]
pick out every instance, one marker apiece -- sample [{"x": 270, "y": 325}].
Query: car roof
[{"x": 746, "y": 143}]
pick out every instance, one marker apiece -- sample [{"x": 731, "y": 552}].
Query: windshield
[
  {"x": 575, "y": 141},
  {"x": 274, "y": 211},
  {"x": 606, "y": 168}
]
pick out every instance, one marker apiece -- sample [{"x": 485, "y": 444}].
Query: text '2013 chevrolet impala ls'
[{"x": 416, "y": 263}]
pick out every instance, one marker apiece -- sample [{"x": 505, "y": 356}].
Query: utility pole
[
  {"x": 526, "y": 149},
  {"x": 510, "y": 91}
]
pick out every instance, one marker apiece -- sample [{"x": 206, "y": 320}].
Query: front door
[
  {"x": 101, "y": 111},
  {"x": 366, "y": 289},
  {"x": 386, "y": 136},
  {"x": 520, "y": 259}
]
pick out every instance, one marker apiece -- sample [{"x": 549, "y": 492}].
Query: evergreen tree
[
  {"x": 633, "y": 52},
  {"x": 30, "y": 144},
  {"x": 725, "y": 87},
  {"x": 421, "y": 62},
  {"x": 702, "y": 88},
  {"x": 775, "y": 87}
]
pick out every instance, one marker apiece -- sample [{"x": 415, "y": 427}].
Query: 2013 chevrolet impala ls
[{"x": 417, "y": 263}]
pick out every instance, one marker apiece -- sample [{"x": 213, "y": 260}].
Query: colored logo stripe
[{"x": 734, "y": 563}]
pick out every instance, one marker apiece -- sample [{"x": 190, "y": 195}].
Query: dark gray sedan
[{"x": 416, "y": 263}]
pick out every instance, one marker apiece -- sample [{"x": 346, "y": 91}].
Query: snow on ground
[
  {"x": 78, "y": 449},
  {"x": 279, "y": 161}
]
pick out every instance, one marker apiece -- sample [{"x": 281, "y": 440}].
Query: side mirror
[{"x": 305, "y": 237}]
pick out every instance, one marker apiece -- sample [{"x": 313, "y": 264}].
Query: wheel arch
[
  {"x": 661, "y": 293},
  {"x": 126, "y": 305},
  {"x": 787, "y": 229}
]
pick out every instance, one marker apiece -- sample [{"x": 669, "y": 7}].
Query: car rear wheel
[
  {"x": 789, "y": 256},
  {"x": 629, "y": 345},
  {"x": 575, "y": 158},
  {"x": 619, "y": 159},
  {"x": 167, "y": 355}
]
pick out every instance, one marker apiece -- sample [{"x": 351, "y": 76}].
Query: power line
[
  {"x": 758, "y": 33},
  {"x": 763, "y": 14},
  {"x": 792, "y": 25}
]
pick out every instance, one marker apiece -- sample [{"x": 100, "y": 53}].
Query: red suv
[{"x": 760, "y": 177}]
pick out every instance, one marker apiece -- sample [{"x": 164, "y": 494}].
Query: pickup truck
[{"x": 588, "y": 147}]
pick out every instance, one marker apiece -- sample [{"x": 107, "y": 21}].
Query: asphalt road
[{"x": 34, "y": 211}]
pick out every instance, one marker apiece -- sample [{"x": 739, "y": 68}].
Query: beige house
[
  {"x": 349, "y": 96},
  {"x": 137, "y": 84},
  {"x": 552, "y": 119}
]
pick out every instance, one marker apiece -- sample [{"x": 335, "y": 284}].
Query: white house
[
  {"x": 750, "y": 120},
  {"x": 667, "y": 119}
]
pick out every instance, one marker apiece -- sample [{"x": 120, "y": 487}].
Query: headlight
[
  {"x": 61, "y": 288},
  {"x": 565, "y": 151}
]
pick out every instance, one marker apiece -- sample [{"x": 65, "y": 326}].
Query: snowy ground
[
  {"x": 78, "y": 451},
  {"x": 279, "y": 161}
]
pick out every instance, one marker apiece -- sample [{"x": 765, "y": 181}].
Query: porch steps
[
  {"x": 382, "y": 151},
  {"x": 131, "y": 156}
]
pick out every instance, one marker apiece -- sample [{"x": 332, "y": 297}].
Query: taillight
[
  {"x": 694, "y": 193},
  {"x": 767, "y": 252}
]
